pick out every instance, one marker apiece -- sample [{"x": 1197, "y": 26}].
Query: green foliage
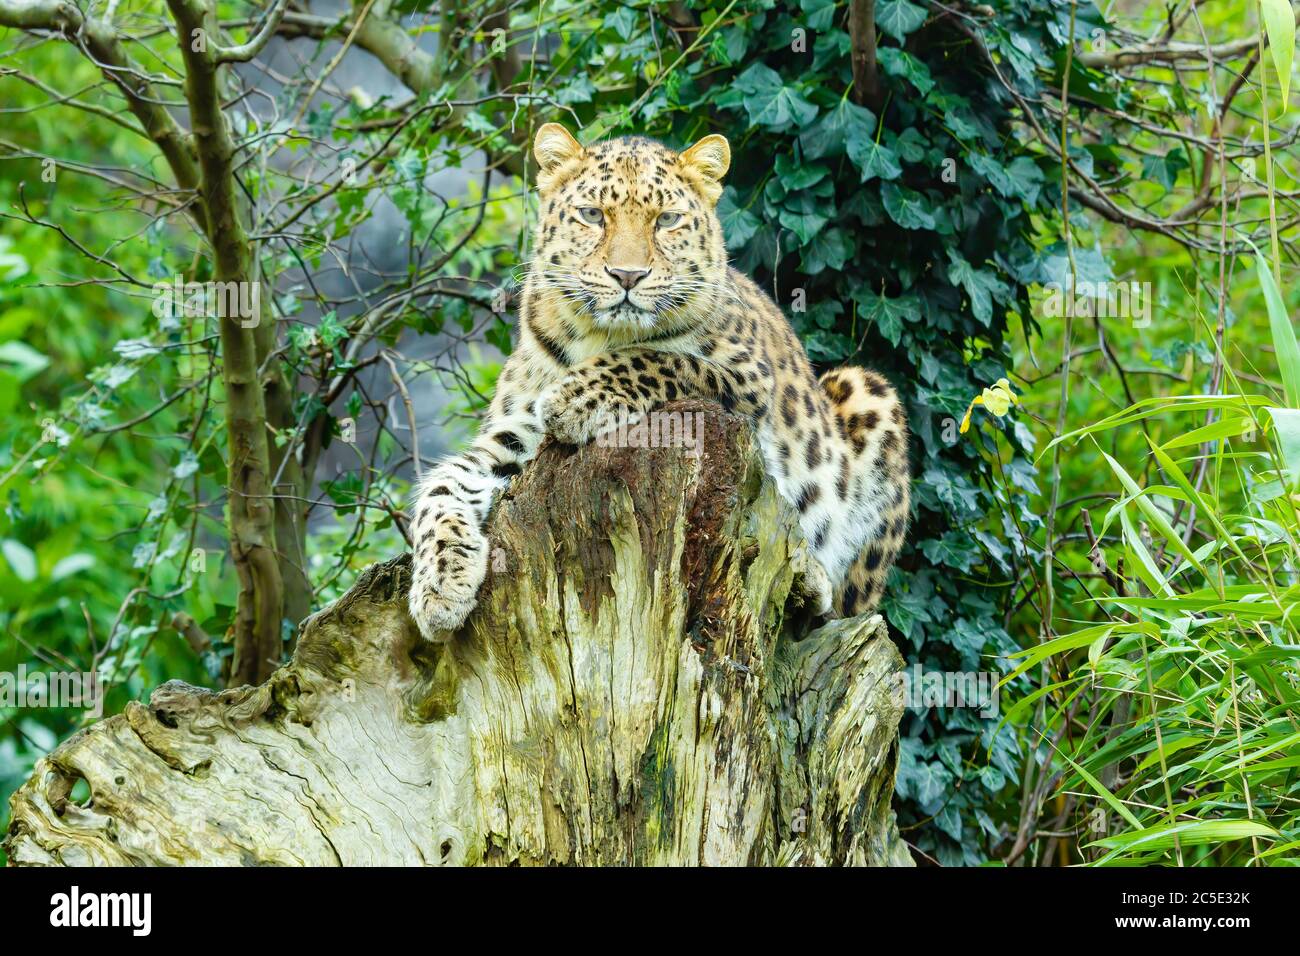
[
  {"x": 79, "y": 532},
  {"x": 1193, "y": 672},
  {"x": 1161, "y": 722}
]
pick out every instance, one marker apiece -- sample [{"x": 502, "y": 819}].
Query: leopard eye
[
  {"x": 667, "y": 220},
  {"x": 591, "y": 214}
]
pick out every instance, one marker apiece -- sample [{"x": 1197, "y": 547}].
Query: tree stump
[{"x": 640, "y": 684}]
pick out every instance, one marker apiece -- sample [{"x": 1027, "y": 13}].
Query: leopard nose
[{"x": 628, "y": 278}]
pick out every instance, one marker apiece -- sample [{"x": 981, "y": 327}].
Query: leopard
[{"x": 628, "y": 302}]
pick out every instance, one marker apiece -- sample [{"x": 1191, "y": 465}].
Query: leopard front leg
[
  {"x": 451, "y": 560},
  {"x": 452, "y": 505}
]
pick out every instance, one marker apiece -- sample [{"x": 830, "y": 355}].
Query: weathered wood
[{"x": 638, "y": 686}]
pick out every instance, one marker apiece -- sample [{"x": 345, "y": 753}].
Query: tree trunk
[
  {"x": 250, "y": 504},
  {"x": 638, "y": 685}
]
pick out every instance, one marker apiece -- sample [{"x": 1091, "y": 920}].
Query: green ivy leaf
[
  {"x": 580, "y": 89},
  {"x": 898, "y": 18},
  {"x": 1020, "y": 180},
  {"x": 768, "y": 101},
  {"x": 623, "y": 22},
  {"x": 805, "y": 215},
  {"x": 954, "y": 490},
  {"x": 846, "y": 123},
  {"x": 958, "y": 117},
  {"x": 930, "y": 783},
  {"x": 954, "y": 549},
  {"x": 820, "y": 13},
  {"x": 910, "y": 145},
  {"x": 949, "y": 821},
  {"x": 997, "y": 174},
  {"x": 794, "y": 175},
  {"x": 979, "y": 284},
  {"x": 874, "y": 159},
  {"x": 826, "y": 346},
  {"x": 1164, "y": 169},
  {"x": 888, "y": 314},
  {"x": 1027, "y": 179},
  {"x": 907, "y": 207},
  {"x": 331, "y": 330},
  {"x": 901, "y": 64},
  {"x": 738, "y": 225},
  {"x": 829, "y": 249}
]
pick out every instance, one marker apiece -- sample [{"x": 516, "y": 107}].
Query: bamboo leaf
[
  {"x": 1225, "y": 428},
  {"x": 1279, "y": 25},
  {"x": 1144, "y": 566},
  {"x": 1153, "y": 514},
  {"x": 1188, "y": 834},
  {"x": 1202, "y": 501},
  {"x": 1148, "y": 407},
  {"x": 1115, "y": 803},
  {"x": 1286, "y": 422},
  {"x": 1284, "y": 341}
]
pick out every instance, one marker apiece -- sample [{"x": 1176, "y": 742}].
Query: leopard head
[{"x": 628, "y": 237}]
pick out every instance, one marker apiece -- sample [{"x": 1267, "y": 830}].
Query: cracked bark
[{"x": 640, "y": 684}]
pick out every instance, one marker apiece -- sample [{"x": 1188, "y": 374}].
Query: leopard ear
[
  {"x": 708, "y": 160},
  {"x": 554, "y": 146}
]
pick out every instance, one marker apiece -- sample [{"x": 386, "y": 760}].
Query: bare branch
[
  {"x": 1170, "y": 52},
  {"x": 246, "y": 51},
  {"x": 383, "y": 39},
  {"x": 417, "y": 70}
]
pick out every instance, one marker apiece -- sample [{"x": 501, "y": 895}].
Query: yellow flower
[{"x": 998, "y": 399}]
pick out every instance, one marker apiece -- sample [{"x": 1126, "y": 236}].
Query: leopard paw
[
  {"x": 575, "y": 416},
  {"x": 816, "y": 587},
  {"x": 450, "y": 564}
]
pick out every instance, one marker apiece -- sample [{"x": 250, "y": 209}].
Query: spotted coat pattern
[{"x": 629, "y": 303}]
